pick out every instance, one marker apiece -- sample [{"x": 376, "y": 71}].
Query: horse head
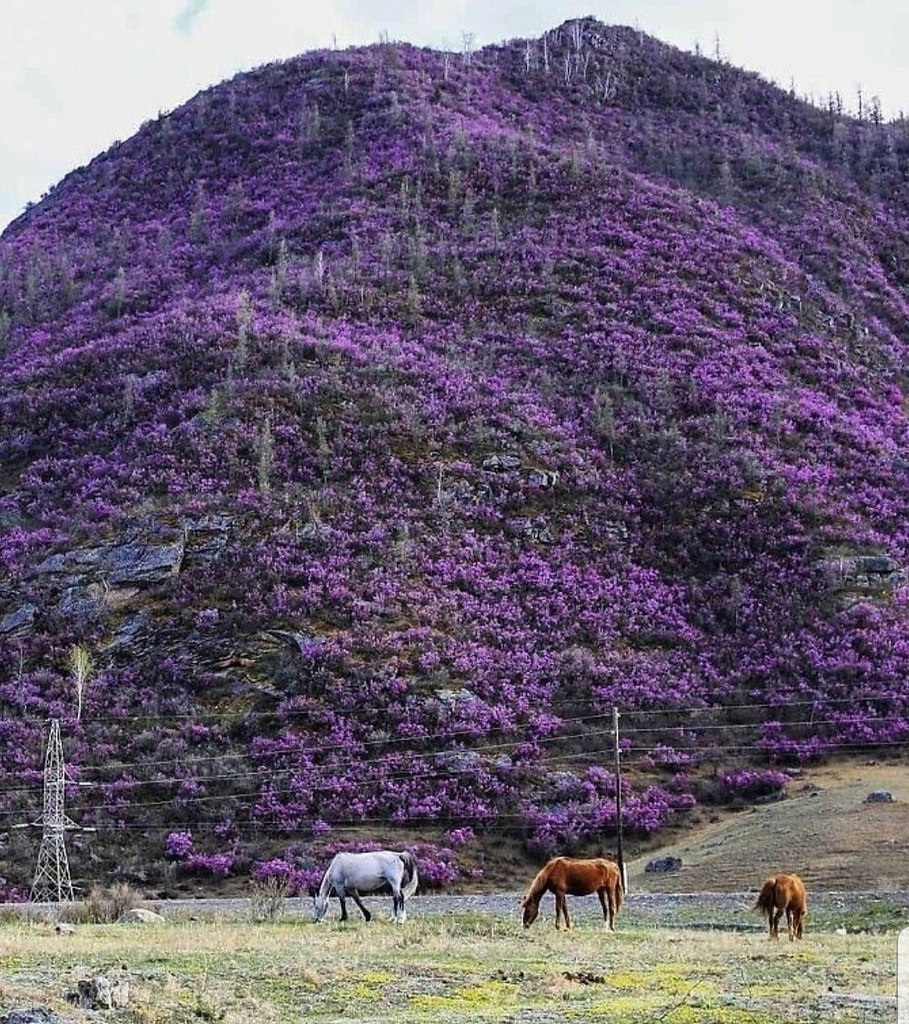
[
  {"x": 531, "y": 909},
  {"x": 319, "y": 906}
]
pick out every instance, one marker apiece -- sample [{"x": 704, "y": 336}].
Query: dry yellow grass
[
  {"x": 452, "y": 969},
  {"x": 824, "y": 832}
]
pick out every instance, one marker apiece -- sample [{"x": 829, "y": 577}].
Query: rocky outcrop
[
  {"x": 207, "y": 537},
  {"x": 94, "y": 582},
  {"x": 134, "y": 564},
  {"x": 863, "y": 574},
  {"x": 18, "y": 621}
]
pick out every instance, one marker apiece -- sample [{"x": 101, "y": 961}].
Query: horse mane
[
  {"x": 538, "y": 885},
  {"x": 325, "y": 887}
]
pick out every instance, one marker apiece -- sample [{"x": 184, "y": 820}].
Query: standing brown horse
[
  {"x": 783, "y": 893},
  {"x": 566, "y": 876}
]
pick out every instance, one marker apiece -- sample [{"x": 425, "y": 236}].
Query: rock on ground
[
  {"x": 35, "y": 1016},
  {"x": 139, "y": 915}
]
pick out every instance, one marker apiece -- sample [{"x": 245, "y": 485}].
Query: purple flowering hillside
[{"x": 380, "y": 419}]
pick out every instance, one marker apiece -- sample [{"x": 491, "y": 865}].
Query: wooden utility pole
[{"x": 620, "y": 852}]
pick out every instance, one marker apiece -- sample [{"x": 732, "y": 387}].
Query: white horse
[{"x": 349, "y": 874}]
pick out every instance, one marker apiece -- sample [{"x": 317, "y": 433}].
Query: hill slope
[{"x": 381, "y": 419}]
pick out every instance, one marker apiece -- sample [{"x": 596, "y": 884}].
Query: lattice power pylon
[{"x": 52, "y": 879}]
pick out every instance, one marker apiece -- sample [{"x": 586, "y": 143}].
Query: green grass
[{"x": 451, "y": 970}]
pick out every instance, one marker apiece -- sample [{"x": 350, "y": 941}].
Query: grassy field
[{"x": 452, "y": 969}]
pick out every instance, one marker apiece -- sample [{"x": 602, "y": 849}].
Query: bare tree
[{"x": 81, "y": 666}]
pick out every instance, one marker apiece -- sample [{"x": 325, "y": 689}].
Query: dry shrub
[
  {"x": 267, "y": 898},
  {"x": 103, "y": 906}
]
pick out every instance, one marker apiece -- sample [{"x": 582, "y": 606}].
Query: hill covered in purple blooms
[{"x": 382, "y": 418}]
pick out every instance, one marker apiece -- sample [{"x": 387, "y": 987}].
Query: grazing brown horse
[
  {"x": 783, "y": 893},
  {"x": 564, "y": 876}
]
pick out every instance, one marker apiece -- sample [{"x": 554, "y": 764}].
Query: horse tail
[
  {"x": 766, "y": 900},
  {"x": 619, "y": 890},
  {"x": 410, "y": 873}
]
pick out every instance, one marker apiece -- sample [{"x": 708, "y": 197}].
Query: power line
[
  {"x": 317, "y": 771},
  {"x": 388, "y": 741},
  {"x": 121, "y": 806},
  {"x": 237, "y": 717}
]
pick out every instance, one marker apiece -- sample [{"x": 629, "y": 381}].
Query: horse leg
[
  {"x": 565, "y": 912},
  {"x": 397, "y": 898},
  {"x": 342, "y": 893},
  {"x": 355, "y": 896},
  {"x": 606, "y": 904},
  {"x": 559, "y": 901},
  {"x": 403, "y": 909},
  {"x": 775, "y": 916},
  {"x": 790, "y": 924}
]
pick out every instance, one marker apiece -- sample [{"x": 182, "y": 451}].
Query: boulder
[
  {"x": 879, "y": 796},
  {"x": 65, "y": 929},
  {"x": 139, "y": 915},
  {"x": 663, "y": 865},
  {"x": 100, "y": 993}
]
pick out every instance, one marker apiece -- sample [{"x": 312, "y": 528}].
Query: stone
[
  {"x": 101, "y": 993},
  {"x": 140, "y": 915},
  {"x": 450, "y": 697},
  {"x": 663, "y": 865},
  {"x": 876, "y": 564},
  {"x": 129, "y": 631},
  {"x": 19, "y": 620},
  {"x": 65, "y": 929},
  {"x": 459, "y": 760},
  {"x": 81, "y": 603},
  {"x": 133, "y": 563},
  {"x": 39, "y": 1015},
  {"x": 879, "y": 796},
  {"x": 501, "y": 463},
  {"x": 544, "y": 478},
  {"x": 206, "y": 538},
  {"x": 128, "y": 563}
]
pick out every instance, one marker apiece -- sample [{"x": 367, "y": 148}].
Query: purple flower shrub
[
  {"x": 220, "y": 865},
  {"x": 179, "y": 846},
  {"x": 754, "y": 782},
  {"x": 383, "y": 421}
]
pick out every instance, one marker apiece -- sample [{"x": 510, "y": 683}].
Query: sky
[{"x": 76, "y": 76}]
